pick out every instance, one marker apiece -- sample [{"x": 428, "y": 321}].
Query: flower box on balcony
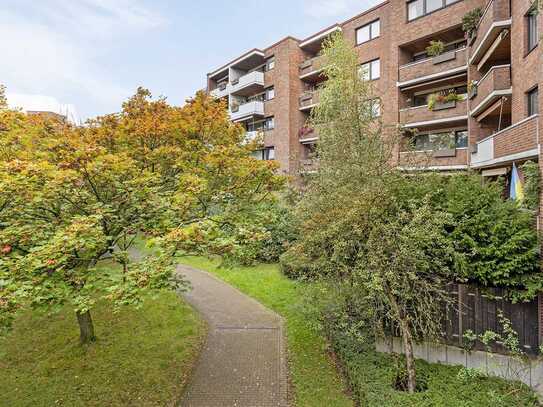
[
  {"x": 447, "y": 56},
  {"x": 444, "y": 105}
]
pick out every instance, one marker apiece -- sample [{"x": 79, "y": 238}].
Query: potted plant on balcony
[
  {"x": 470, "y": 21},
  {"x": 441, "y": 101},
  {"x": 472, "y": 89},
  {"x": 435, "y": 48}
]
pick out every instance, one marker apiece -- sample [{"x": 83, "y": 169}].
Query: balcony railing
[
  {"x": 255, "y": 108},
  {"x": 311, "y": 67},
  {"x": 220, "y": 91},
  {"x": 307, "y": 133},
  {"x": 516, "y": 142},
  {"x": 446, "y": 159},
  {"x": 495, "y": 84},
  {"x": 251, "y": 81},
  {"x": 309, "y": 100},
  {"x": 449, "y": 63},
  {"x": 421, "y": 116},
  {"x": 497, "y": 16}
]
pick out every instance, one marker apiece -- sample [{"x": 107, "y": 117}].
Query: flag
[{"x": 516, "y": 192}]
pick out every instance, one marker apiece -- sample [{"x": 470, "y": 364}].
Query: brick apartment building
[
  {"x": 274, "y": 89},
  {"x": 499, "y": 70}
]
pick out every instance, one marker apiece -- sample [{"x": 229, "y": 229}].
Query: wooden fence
[{"x": 478, "y": 309}]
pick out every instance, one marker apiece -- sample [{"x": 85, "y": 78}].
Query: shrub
[
  {"x": 471, "y": 19},
  {"x": 435, "y": 48},
  {"x": 532, "y": 180}
]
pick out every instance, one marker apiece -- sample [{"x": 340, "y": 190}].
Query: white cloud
[{"x": 53, "y": 47}]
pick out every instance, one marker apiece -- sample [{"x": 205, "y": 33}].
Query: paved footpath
[{"x": 243, "y": 362}]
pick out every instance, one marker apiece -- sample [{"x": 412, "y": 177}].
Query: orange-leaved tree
[{"x": 71, "y": 197}]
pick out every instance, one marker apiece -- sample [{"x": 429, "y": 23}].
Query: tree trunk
[
  {"x": 409, "y": 357},
  {"x": 86, "y": 327}
]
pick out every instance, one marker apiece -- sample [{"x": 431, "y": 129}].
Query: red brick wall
[
  {"x": 499, "y": 10},
  {"x": 427, "y": 159},
  {"x": 524, "y": 66},
  {"x": 520, "y": 138},
  {"x": 420, "y": 114},
  {"x": 428, "y": 68},
  {"x": 497, "y": 79}
]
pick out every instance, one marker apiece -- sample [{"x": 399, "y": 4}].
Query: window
[
  {"x": 269, "y": 123},
  {"x": 375, "y": 108},
  {"x": 533, "y": 102},
  {"x": 370, "y": 70},
  {"x": 267, "y": 153},
  {"x": 419, "y": 8},
  {"x": 368, "y": 32},
  {"x": 533, "y": 37},
  {"x": 461, "y": 139},
  {"x": 441, "y": 141},
  {"x": 270, "y": 63},
  {"x": 415, "y": 9},
  {"x": 269, "y": 93}
]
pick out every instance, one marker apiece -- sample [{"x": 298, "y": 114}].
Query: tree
[
  {"x": 356, "y": 230},
  {"x": 73, "y": 197},
  {"x": 404, "y": 270}
]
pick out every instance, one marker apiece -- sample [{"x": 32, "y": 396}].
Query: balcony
[
  {"x": 453, "y": 159},
  {"x": 307, "y": 135},
  {"x": 309, "y": 100},
  {"x": 496, "y": 17},
  {"x": 311, "y": 69},
  {"x": 441, "y": 66},
  {"x": 220, "y": 91},
  {"x": 516, "y": 142},
  {"x": 420, "y": 116},
  {"x": 255, "y": 108},
  {"x": 495, "y": 84},
  {"x": 248, "y": 84}
]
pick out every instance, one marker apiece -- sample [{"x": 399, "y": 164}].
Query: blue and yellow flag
[{"x": 516, "y": 192}]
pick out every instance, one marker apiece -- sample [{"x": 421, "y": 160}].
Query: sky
[{"x": 90, "y": 55}]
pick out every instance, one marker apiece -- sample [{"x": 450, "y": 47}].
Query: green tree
[
  {"x": 355, "y": 231},
  {"x": 72, "y": 197}
]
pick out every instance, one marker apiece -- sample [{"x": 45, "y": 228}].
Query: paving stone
[{"x": 243, "y": 362}]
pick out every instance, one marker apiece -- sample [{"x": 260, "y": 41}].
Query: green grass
[
  {"x": 142, "y": 356},
  {"x": 372, "y": 374},
  {"x": 315, "y": 380}
]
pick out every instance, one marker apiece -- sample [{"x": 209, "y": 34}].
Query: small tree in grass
[
  {"x": 73, "y": 197},
  {"x": 355, "y": 228}
]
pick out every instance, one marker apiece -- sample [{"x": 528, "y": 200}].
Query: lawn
[
  {"x": 317, "y": 383},
  {"x": 315, "y": 380},
  {"x": 142, "y": 356}
]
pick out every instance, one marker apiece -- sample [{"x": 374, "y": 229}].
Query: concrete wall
[{"x": 492, "y": 364}]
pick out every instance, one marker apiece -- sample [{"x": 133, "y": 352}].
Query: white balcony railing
[
  {"x": 255, "y": 108},
  {"x": 220, "y": 92},
  {"x": 255, "y": 78}
]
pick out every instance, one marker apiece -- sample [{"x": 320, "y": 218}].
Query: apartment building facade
[{"x": 497, "y": 71}]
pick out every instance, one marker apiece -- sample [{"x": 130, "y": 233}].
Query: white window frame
[{"x": 374, "y": 31}]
